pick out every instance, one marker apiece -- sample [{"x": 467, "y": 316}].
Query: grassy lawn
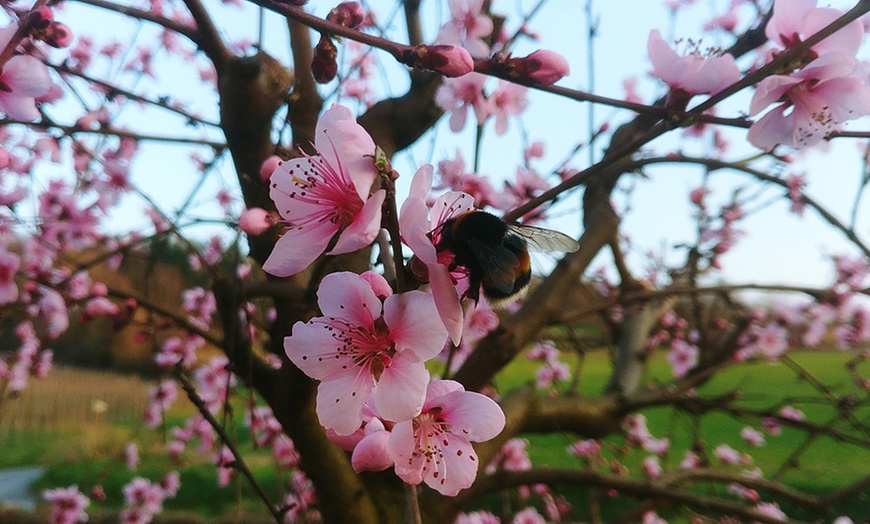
[{"x": 79, "y": 443}]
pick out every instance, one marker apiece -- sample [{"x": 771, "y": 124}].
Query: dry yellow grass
[{"x": 74, "y": 399}]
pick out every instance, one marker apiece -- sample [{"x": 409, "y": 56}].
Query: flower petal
[
  {"x": 408, "y": 466},
  {"x": 348, "y": 296},
  {"x": 298, "y": 248},
  {"x": 401, "y": 388},
  {"x": 446, "y": 300},
  {"x": 372, "y": 454},
  {"x": 414, "y": 324},
  {"x": 26, "y": 76},
  {"x": 365, "y": 226},
  {"x": 457, "y": 468},
  {"x": 340, "y": 402},
  {"x": 414, "y": 226},
  {"x": 344, "y": 143},
  {"x": 313, "y": 349},
  {"x": 473, "y": 415}
]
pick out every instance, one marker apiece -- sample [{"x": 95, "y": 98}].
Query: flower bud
[
  {"x": 268, "y": 167},
  {"x": 254, "y": 221},
  {"x": 324, "y": 66},
  {"x": 541, "y": 67},
  {"x": 448, "y": 60},
  {"x": 58, "y": 35},
  {"x": 348, "y": 14},
  {"x": 41, "y": 18}
]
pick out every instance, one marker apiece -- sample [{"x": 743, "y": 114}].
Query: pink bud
[
  {"x": 541, "y": 67},
  {"x": 58, "y": 35},
  {"x": 254, "y": 221},
  {"x": 268, "y": 167},
  {"x": 348, "y": 14},
  {"x": 449, "y": 60},
  {"x": 41, "y": 18}
]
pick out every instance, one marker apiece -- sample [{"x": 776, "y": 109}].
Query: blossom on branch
[
  {"x": 325, "y": 198},
  {"x": 695, "y": 73},
  {"x": 22, "y": 80},
  {"x": 435, "y": 447},
  {"x": 360, "y": 342}
]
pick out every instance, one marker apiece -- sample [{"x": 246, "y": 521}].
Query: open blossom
[
  {"x": 682, "y": 356},
  {"x": 9, "y": 263},
  {"x": 694, "y": 73},
  {"x": 326, "y": 195},
  {"x": 68, "y": 505},
  {"x": 416, "y": 224},
  {"x": 467, "y": 27},
  {"x": 23, "y": 79},
  {"x": 435, "y": 447},
  {"x": 793, "y": 21},
  {"x": 360, "y": 342},
  {"x": 811, "y": 103},
  {"x": 457, "y": 95}
]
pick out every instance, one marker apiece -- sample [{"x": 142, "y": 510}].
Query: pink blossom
[
  {"x": 542, "y": 67},
  {"x": 255, "y": 221},
  {"x": 513, "y": 456},
  {"x": 529, "y": 515},
  {"x": 771, "y": 341},
  {"x": 477, "y": 517},
  {"x": 372, "y": 452},
  {"x": 416, "y": 225},
  {"x": 67, "y": 505},
  {"x": 360, "y": 342},
  {"x": 585, "y": 448},
  {"x": 690, "y": 461},
  {"x": 131, "y": 456},
  {"x": 435, "y": 447},
  {"x": 790, "y": 413},
  {"x": 9, "y": 263},
  {"x": 727, "y": 454},
  {"x": 449, "y": 60},
  {"x": 454, "y": 176},
  {"x": 796, "y": 185},
  {"x": 507, "y": 101},
  {"x": 457, "y": 95},
  {"x": 651, "y": 517},
  {"x": 22, "y": 79},
  {"x": 268, "y": 167},
  {"x": 752, "y": 436},
  {"x": 326, "y": 195},
  {"x": 467, "y": 27},
  {"x": 794, "y": 21},
  {"x": 652, "y": 467},
  {"x": 693, "y": 73},
  {"x": 771, "y": 509},
  {"x": 820, "y": 97},
  {"x": 682, "y": 356}
]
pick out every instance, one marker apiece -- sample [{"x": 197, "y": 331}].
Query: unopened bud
[
  {"x": 268, "y": 167},
  {"x": 58, "y": 35},
  {"x": 541, "y": 67},
  {"x": 348, "y": 14},
  {"x": 254, "y": 221},
  {"x": 40, "y": 19},
  {"x": 324, "y": 66},
  {"x": 449, "y": 60}
]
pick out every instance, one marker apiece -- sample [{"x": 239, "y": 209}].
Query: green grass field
[{"x": 79, "y": 446}]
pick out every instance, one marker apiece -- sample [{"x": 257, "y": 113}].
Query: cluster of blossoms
[
  {"x": 807, "y": 99},
  {"x": 369, "y": 348}
]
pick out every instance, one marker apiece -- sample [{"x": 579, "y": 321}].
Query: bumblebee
[{"x": 494, "y": 253}]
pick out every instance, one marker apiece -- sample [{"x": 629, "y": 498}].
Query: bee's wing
[
  {"x": 540, "y": 239},
  {"x": 497, "y": 262}
]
